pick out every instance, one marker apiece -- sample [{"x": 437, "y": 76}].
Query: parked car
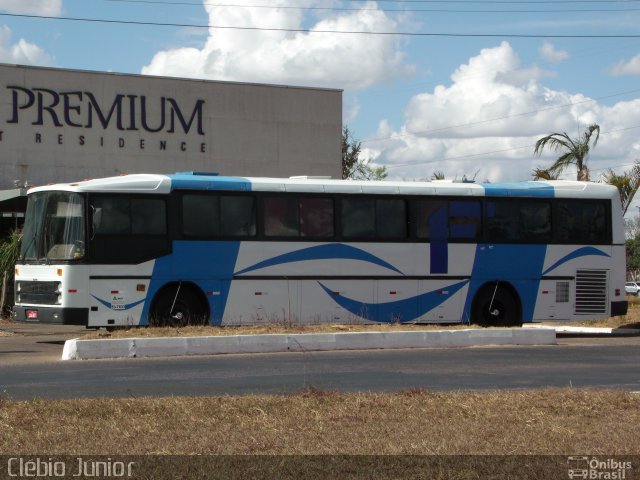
[{"x": 632, "y": 288}]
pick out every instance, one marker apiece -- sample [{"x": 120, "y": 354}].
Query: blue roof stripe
[
  {"x": 208, "y": 182},
  {"x": 520, "y": 189}
]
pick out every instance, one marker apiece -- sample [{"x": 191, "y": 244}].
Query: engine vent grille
[{"x": 591, "y": 292}]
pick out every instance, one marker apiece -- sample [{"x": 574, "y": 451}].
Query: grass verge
[
  {"x": 263, "y": 329},
  {"x": 631, "y": 320},
  {"x": 532, "y": 422}
]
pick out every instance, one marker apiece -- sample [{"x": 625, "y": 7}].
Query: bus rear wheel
[
  {"x": 177, "y": 306},
  {"x": 496, "y": 306}
]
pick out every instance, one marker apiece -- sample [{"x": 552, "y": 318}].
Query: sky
[{"x": 462, "y": 87}]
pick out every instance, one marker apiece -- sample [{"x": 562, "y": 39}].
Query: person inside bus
[
  {"x": 280, "y": 219},
  {"x": 316, "y": 217}
]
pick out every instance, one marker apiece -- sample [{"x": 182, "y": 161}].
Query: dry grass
[
  {"x": 631, "y": 320},
  {"x": 263, "y": 329},
  {"x": 552, "y": 421}
]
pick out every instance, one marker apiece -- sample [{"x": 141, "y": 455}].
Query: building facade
[{"x": 65, "y": 125}]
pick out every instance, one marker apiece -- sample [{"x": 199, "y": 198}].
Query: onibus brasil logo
[{"x": 597, "y": 468}]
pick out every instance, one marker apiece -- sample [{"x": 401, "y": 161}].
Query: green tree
[
  {"x": 575, "y": 151},
  {"x": 9, "y": 253},
  {"x": 352, "y": 166},
  {"x": 633, "y": 257},
  {"x": 626, "y": 183},
  {"x": 543, "y": 174},
  {"x": 350, "y": 152}
]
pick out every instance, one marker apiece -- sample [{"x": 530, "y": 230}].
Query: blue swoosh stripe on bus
[
  {"x": 581, "y": 252},
  {"x": 407, "y": 310},
  {"x": 204, "y": 182},
  {"x": 321, "y": 252},
  {"x": 519, "y": 189},
  {"x": 126, "y": 307}
]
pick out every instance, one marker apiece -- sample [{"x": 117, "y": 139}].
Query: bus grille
[
  {"x": 40, "y": 293},
  {"x": 591, "y": 292}
]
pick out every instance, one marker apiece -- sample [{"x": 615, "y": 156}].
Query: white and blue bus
[{"x": 196, "y": 248}]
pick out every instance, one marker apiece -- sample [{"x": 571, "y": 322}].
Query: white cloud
[
  {"x": 523, "y": 76},
  {"x": 632, "y": 67},
  {"x": 22, "y": 52},
  {"x": 350, "y": 109},
  {"x": 482, "y": 122},
  {"x": 347, "y": 61},
  {"x": 34, "y": 7},
  {"x": 549, "y": 52}
]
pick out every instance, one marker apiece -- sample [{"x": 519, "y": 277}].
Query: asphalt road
[{"x": 30, "y": 368}]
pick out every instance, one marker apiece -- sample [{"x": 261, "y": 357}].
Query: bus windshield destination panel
[{"x": 203, "y": 249}]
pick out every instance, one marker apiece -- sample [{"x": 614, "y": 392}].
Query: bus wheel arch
[
  {"x": 178, "y": 304},
  {"x": 497, "y": 304}
]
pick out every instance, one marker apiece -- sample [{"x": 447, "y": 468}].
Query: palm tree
[
  {"x": 627, "y": 184},
  {"x": 543, "y": 174},
  {"x": 576, "y": 150}
]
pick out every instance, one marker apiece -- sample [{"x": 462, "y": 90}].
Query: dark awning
[{"x": 14, "y": 200}]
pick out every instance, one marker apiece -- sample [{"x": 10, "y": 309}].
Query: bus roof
[{"x": 158, "y": 183}]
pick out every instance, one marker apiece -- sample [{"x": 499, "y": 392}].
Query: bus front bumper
[{"x": 53, "y": 315}]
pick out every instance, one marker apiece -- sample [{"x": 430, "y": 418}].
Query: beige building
[{"x": 66, "y": 125}]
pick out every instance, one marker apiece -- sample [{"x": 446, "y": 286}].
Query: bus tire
[
  {"x": 496, "y": 307},
  {"x": 169, "y": 310}
]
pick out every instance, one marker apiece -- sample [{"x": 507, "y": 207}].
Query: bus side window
[
  {"x": 518, "y": 220},
  {"x": 358, "y": 217},
  {"x": 112, "y": 216},
  {"x": 148, "y": 216},
  {"x": 535, "y": 222},
  {"x": 316, "y": 217},
  {"x": 281, "y": 217},
  {"x": 581, "y": 221},
  {"x": 237, "y": 216},
  {"x": 382, "y": 218},
  {"x": 200, "y": 215},
  {"x": 431, "y": 221},
  {"x": 502, "y": 221},
  {"x": 391, "y": 218},
  {"x": 464, "y": 219}
]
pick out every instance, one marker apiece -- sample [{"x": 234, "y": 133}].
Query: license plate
[{"x": 32, "y": 314}]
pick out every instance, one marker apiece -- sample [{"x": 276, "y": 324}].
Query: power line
[
  {"x": 521, "y": 114},
  {"x": 358, "y": 9},
  {"x": 315, "y": 31},
  {"x": 453, "y": 2},
  {"x": 482, "y": 154}
]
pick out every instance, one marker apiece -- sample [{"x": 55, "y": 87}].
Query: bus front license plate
[{"x": 32, "y": 314}]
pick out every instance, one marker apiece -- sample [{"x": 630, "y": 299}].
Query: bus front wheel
[
  {"x": 177, "y": 306},
  {"x": 496, "y": 306}
]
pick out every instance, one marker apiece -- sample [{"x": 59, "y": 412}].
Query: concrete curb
[
  {"x": 563, "y": 329},
  {"x": 181, "y": 346}
]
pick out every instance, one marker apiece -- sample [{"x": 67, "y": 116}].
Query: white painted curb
[
  {"x": 588, "y": 330},
  {"x": 180, "y": 346}
]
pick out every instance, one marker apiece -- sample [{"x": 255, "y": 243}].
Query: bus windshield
[{"x": 54, "y": 227}]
